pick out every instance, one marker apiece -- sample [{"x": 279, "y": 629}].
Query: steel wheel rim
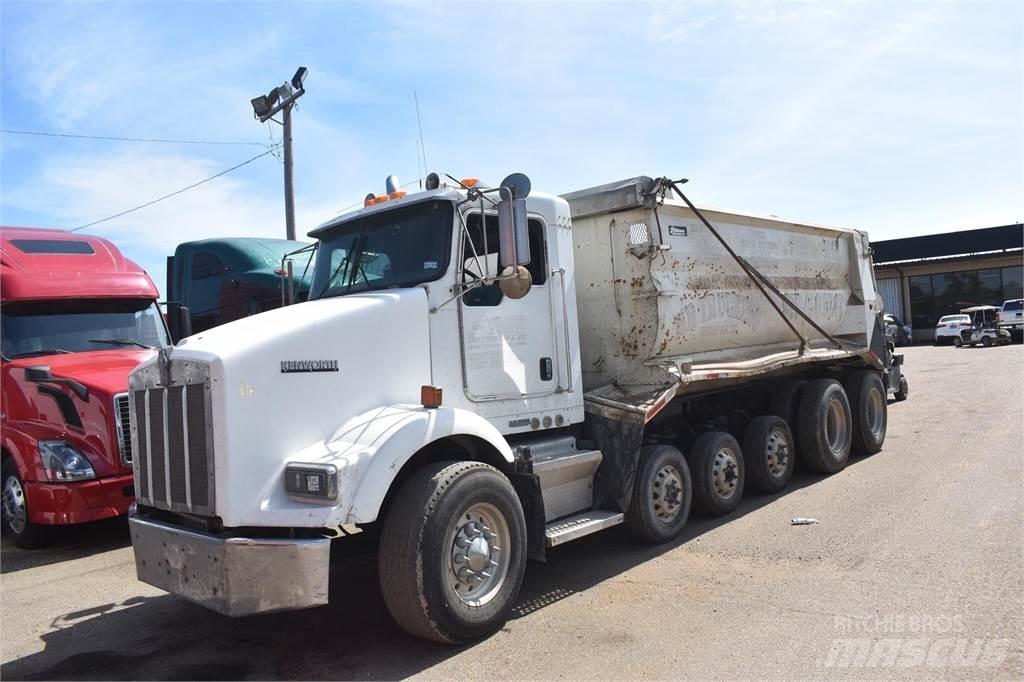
[
  {"x": 478, "y": 561},
  {"x": 836, "y": 426},
  {"x": 667, "y": 493},
  {"x": 15, "y": 508},
  {"x": 725, "y": 473},
  {"x": 876, "y": 412},
  {"x": 777, "y": 452}
]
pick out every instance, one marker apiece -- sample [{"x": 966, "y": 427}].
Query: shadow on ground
[
  {"x": 165, "y": 637},
  {"x": 65, "y": 543}
]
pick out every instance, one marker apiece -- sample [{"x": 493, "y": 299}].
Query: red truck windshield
[{"x": 52, "y": 327}]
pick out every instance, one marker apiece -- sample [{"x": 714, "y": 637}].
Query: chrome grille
[
  {"x": 122, "y": 419},
  {"x": 173, "y": 446}
]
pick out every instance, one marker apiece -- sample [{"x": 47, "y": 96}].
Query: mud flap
[{"x": 619, "y": 443}]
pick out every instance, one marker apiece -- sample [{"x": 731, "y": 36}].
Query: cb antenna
[{"x": 419, "y": 124}]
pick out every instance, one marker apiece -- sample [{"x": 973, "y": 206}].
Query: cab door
[{"x": 508, "y": 345}]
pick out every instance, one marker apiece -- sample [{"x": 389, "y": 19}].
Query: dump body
[{"x": 660, "y": 298}]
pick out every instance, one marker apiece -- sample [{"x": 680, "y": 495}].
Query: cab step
[{"x": 578, "y": 525}]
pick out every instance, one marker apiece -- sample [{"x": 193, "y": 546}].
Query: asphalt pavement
[{"x": 913, "y": 570}]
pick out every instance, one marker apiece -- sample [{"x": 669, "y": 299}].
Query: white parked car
[
  {"x": 1011, "y": 316},
  {"x": 950, "y": 326}
]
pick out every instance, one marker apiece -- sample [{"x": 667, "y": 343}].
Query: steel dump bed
[{"x": 665, "y": 309}]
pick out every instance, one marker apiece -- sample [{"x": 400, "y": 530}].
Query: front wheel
[
  {"x": 661, "y": 495},
  {"x": 957, "y": 341},
  {"x": 453, "y": 552},
  {"x": 15, "y": 520}
]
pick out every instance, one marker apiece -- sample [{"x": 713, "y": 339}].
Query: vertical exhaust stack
[{"x": 391, "y": 184}]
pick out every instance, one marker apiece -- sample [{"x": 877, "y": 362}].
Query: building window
[
  {"x": 921, "y": 308},
  {"x": 1013, "y": 282}
]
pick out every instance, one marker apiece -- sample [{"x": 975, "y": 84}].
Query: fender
[{"x": 370, "y": 450}]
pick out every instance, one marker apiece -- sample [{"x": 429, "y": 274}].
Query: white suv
[{"x": 1011, "y": 316}]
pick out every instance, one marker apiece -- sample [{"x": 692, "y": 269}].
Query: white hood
[{"x": 263, "y": 416}]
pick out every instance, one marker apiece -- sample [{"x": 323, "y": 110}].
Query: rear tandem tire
[
  {"x": 785, "y": 401},
  {"x": 768, "y": 453},
  {"x": 438, "y": 541},
  {"x": 866, "y": 393},
  {"x": 824, "y": 426},
  {"x": 662, "y": 495},
  {"x": 718, "y": 474}
]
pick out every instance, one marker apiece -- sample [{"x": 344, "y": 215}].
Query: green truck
[{"x": 213, "y": 281}]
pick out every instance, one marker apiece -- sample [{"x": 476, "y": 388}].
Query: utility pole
[
  {"x": 289, "y": 195},
  {"x": 282, "y": 99}
]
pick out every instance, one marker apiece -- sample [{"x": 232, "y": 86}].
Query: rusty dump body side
[{"x": 664, "y": 309}]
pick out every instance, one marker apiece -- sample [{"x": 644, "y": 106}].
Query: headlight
[
  {"x": 63, "y": 463},
  {"x": 308, "y": 482}
]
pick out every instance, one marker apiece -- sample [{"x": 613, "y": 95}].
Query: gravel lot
[{"x": 913, "y": 571}]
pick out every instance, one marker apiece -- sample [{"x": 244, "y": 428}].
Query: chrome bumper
[{"x": 234, "y": 576}]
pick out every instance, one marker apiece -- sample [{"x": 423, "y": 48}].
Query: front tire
[
  {"x": 453, "y": 552},
  {"x": 14, "y": 516},
  {"x": 824, "y": 427},
  {"x": 662, "y": 495},
  {"x": 957, "y": 341},
  {"x": 870, "y": 416},
  {"x": 718, "y": 473}
]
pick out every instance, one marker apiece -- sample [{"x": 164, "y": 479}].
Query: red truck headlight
[{"x": 63, "y": 463}]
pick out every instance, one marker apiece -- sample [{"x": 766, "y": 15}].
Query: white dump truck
[{"x": 483, "y": 373}]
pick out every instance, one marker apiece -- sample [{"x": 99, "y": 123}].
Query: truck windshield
[
  {"x": 402, "y": 247},
  {"x": 51, "y": 327}
]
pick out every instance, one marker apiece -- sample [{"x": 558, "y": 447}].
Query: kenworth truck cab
[
  {"x": 76, "y": 318},
  {"x": 483, "y": 373}
]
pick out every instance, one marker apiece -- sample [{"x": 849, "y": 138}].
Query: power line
[
  {"x": 168, "y": 196},
  {"x": 127, "y": 139}
]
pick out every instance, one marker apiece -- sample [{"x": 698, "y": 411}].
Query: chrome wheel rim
[
  {"x": 15, "y": 508},
  {"x": 478, "y": 562},
  {"x": 876, "y": 412},
  {"x": 667, "y": 493},
  {"x": 725, "y": 473},
  {"x": 836, "y": 425},
  {"x": 777, "y": 452}
]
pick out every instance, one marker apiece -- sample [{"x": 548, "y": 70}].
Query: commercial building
[{"x": 923, "y": 278}]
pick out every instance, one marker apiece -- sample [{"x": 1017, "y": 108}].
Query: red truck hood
[{"x": 104, "y": 372}]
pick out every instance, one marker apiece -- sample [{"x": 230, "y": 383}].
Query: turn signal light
[{"x": 430, "y": 396}]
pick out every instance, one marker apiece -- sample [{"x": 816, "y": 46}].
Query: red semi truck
[{"x": 76, "y": 318}]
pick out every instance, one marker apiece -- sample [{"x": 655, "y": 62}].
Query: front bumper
[
  {"x": 69, "y": 503},
  {"x": 234, "y": 576}
]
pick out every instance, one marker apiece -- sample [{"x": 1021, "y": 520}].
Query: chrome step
[{"x": 578, "y": 525}]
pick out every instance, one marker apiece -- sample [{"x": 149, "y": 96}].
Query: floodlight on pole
[{"x": 281, "y": 100}]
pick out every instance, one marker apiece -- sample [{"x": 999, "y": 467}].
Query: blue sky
[{"x": 900, "y": 118}]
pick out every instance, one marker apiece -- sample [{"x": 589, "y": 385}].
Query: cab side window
[
  {"x": 206, "y": 265},
  {"x": 476, "y": 257}
]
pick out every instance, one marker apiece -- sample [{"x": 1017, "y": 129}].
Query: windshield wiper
[
  {"x": 120, "y": 342},
  {"x": 42, "y": 351},
  {"x": 342, "y": 264}
]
